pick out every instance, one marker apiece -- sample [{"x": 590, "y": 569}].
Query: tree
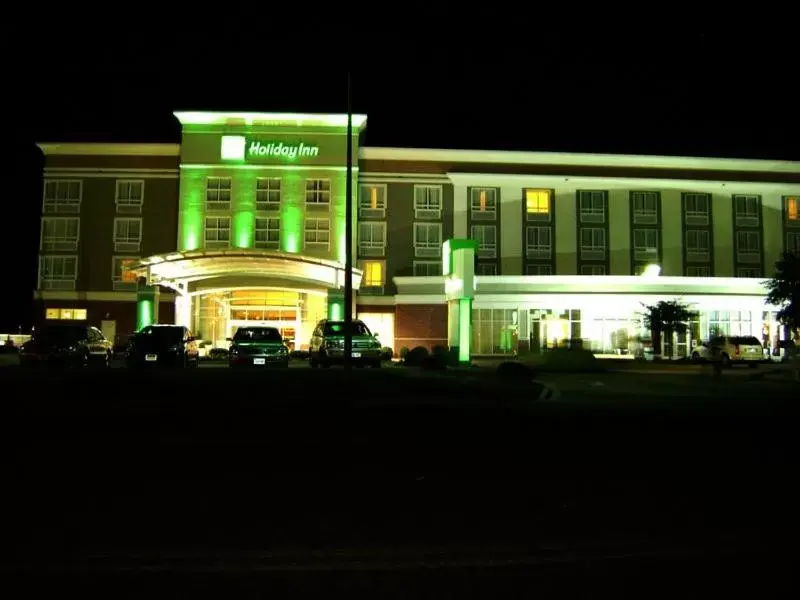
[
  {"x": 784, "y": 289},
  {"x": 666, "y": 317}
]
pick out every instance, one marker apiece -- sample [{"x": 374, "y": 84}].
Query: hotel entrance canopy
[{"x": 200, "y": 271}]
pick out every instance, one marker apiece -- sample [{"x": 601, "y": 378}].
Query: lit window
[
  {"x": 537, "y": 202},
  {"x": 791, "y": 208},
  {"x": 65, "y": 314},
  {"x": 373, "y": 197},
  {"x": 373, "y": 273}
]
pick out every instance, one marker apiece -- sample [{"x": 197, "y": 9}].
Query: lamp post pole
[{"x": 348, "y": 238}]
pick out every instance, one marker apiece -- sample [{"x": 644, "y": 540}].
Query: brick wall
[
  {"x": 124, "y": 313},
  {"x": 420, "y": 325}
]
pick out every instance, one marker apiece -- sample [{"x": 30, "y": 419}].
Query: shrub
[
  {"x": 514, "y": 371},
  {"x": 403, "y": 352},
  {"x": 416, "y": 356},
  {"x": 567, "y": 360},
  {"x": 386, "y": 353}
]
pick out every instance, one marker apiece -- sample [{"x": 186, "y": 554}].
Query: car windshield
[
  {"x": 257, "y": 334},
  {"x": 337, "y": 328},
  {"x": 59, "y": 333},
  {"x": 162, "y": 334},
  {"x": 745, "y": 340}
]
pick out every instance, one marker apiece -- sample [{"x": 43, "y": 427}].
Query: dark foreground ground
[{"x": 386, "y": 484}]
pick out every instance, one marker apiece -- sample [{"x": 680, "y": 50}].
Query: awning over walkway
[{"x": 192, "y": 272}]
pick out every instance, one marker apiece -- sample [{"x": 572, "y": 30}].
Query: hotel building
[{"x": 243, "y": 222}]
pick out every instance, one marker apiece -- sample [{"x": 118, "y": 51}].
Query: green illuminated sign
[
  {"x": 258, "y": 149},
  {"x": 237, "y": 147}
]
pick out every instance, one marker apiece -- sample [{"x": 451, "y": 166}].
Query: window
[
  {"x": 427, "y": 240},
  {"x": 317, "y": 232},
  {"x": 217, "y": 232},
  {"x": 593, "y": 243},
  {"x": 483, "y": 204},
  {"x": 60, "y": 233},
  {"x": 127, "y": 234},
  {"x": 698, "y": 245},
  {"x": 371, "y": 239},
  {"x": 593, "y": 269},
  {"x": 58, "y": 272},
  {"x": 752, "y": 272},
  {"x": 748, "y": 246},
  {"x": 645, "y": 207},
  {"x": 318, "y": 192},
  {"x": 645, "y": 244},
  {"x": 427, "y": 201},
  {"x": 373, "y": 274},
  {"x": 65, "y": 314},
  {"x": 372, "y": 201},
  {"x": 790, "y": 204},
  {"x": 486, "y": 269},
  {"x": 130, "y": 196},
  {"x": 427, "y": 268},
  {"x": 746, "y": 209},
  {"x": 538, "y": 269},
  {"x": 486, "y": 236},
  {"x": 268, "y": 233},
  {"x": 268, "y": 193},
  {"x": 218, "y": 193},
  {"x": 793, "y": 242},
  {"x": 538, "y": 242},
  {"x": 695, "y": 271},
  {"x": 592, "y": 206},
  {"x": 537, "y": 205},
  {"x": 62, "y": 195},
  {"x": 696, "y": 209},
  {"x": 122, "y": 279}
]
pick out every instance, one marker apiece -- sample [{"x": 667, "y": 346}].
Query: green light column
[
  {"x": 147, "y": 299},
  {"x": 336, "y": 304},
  {"x": 243, "y": 224},
  {"x": 458, "y": 267},
  {"x": 292, "y": 203},
  {"x": 192, "y": 208}
]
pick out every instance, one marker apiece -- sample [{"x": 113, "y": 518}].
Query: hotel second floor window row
[
  {"x": 268, "y": 194},
  {"x": 64, "y": 196}
]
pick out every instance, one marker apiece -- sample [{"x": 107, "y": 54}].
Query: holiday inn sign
[{"x": 238, "y": 147}]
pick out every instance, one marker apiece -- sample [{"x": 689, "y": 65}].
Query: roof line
[
  {"x": 104, "y": 149},
  {"x": 575, "y": 159}
]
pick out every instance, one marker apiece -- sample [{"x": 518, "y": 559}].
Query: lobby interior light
[{"x": 651, "y": 271}]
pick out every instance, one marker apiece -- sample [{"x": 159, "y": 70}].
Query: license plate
[
  {"x": 259, "y": 361},
  {"x": 151, "y": 357},
  {"x": 356, "y": 354}
]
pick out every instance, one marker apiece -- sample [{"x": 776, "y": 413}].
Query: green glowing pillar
[
  {"x": 458, "y": 267},
  {"x": 147, "y": 298},
  {"x": 243, "y": 224},
  {"x": 292, "y": 203},
  {"x": 191, "y": 213},
  {"x": 336, "y": 304}
]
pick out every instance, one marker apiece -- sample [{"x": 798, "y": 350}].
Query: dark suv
[
  {"x": 327, "y": 344},
  {"x": 66, "y": 343}
]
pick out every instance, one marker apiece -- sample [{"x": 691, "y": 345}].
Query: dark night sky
[{"x": 681, "y": 94}]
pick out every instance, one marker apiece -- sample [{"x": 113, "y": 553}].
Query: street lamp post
[{"x": 348, "y": 238}]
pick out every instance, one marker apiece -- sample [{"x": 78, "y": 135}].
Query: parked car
[
  {"x": 327, "y": 344},
  {"x": 258, "y": 346},
  {"x": 162, "y": 346},
  {"x": 66, "y": 343}
]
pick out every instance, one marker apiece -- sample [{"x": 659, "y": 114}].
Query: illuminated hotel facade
[{"x": 243, "y": 222}]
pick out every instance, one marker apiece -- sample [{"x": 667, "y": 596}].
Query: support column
[
  {"x": 335, "y": 304},
  {"x": 183, "y": 310},
  {"x": 147, "y": 298},
  {"x": 458, "y": 267}
]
